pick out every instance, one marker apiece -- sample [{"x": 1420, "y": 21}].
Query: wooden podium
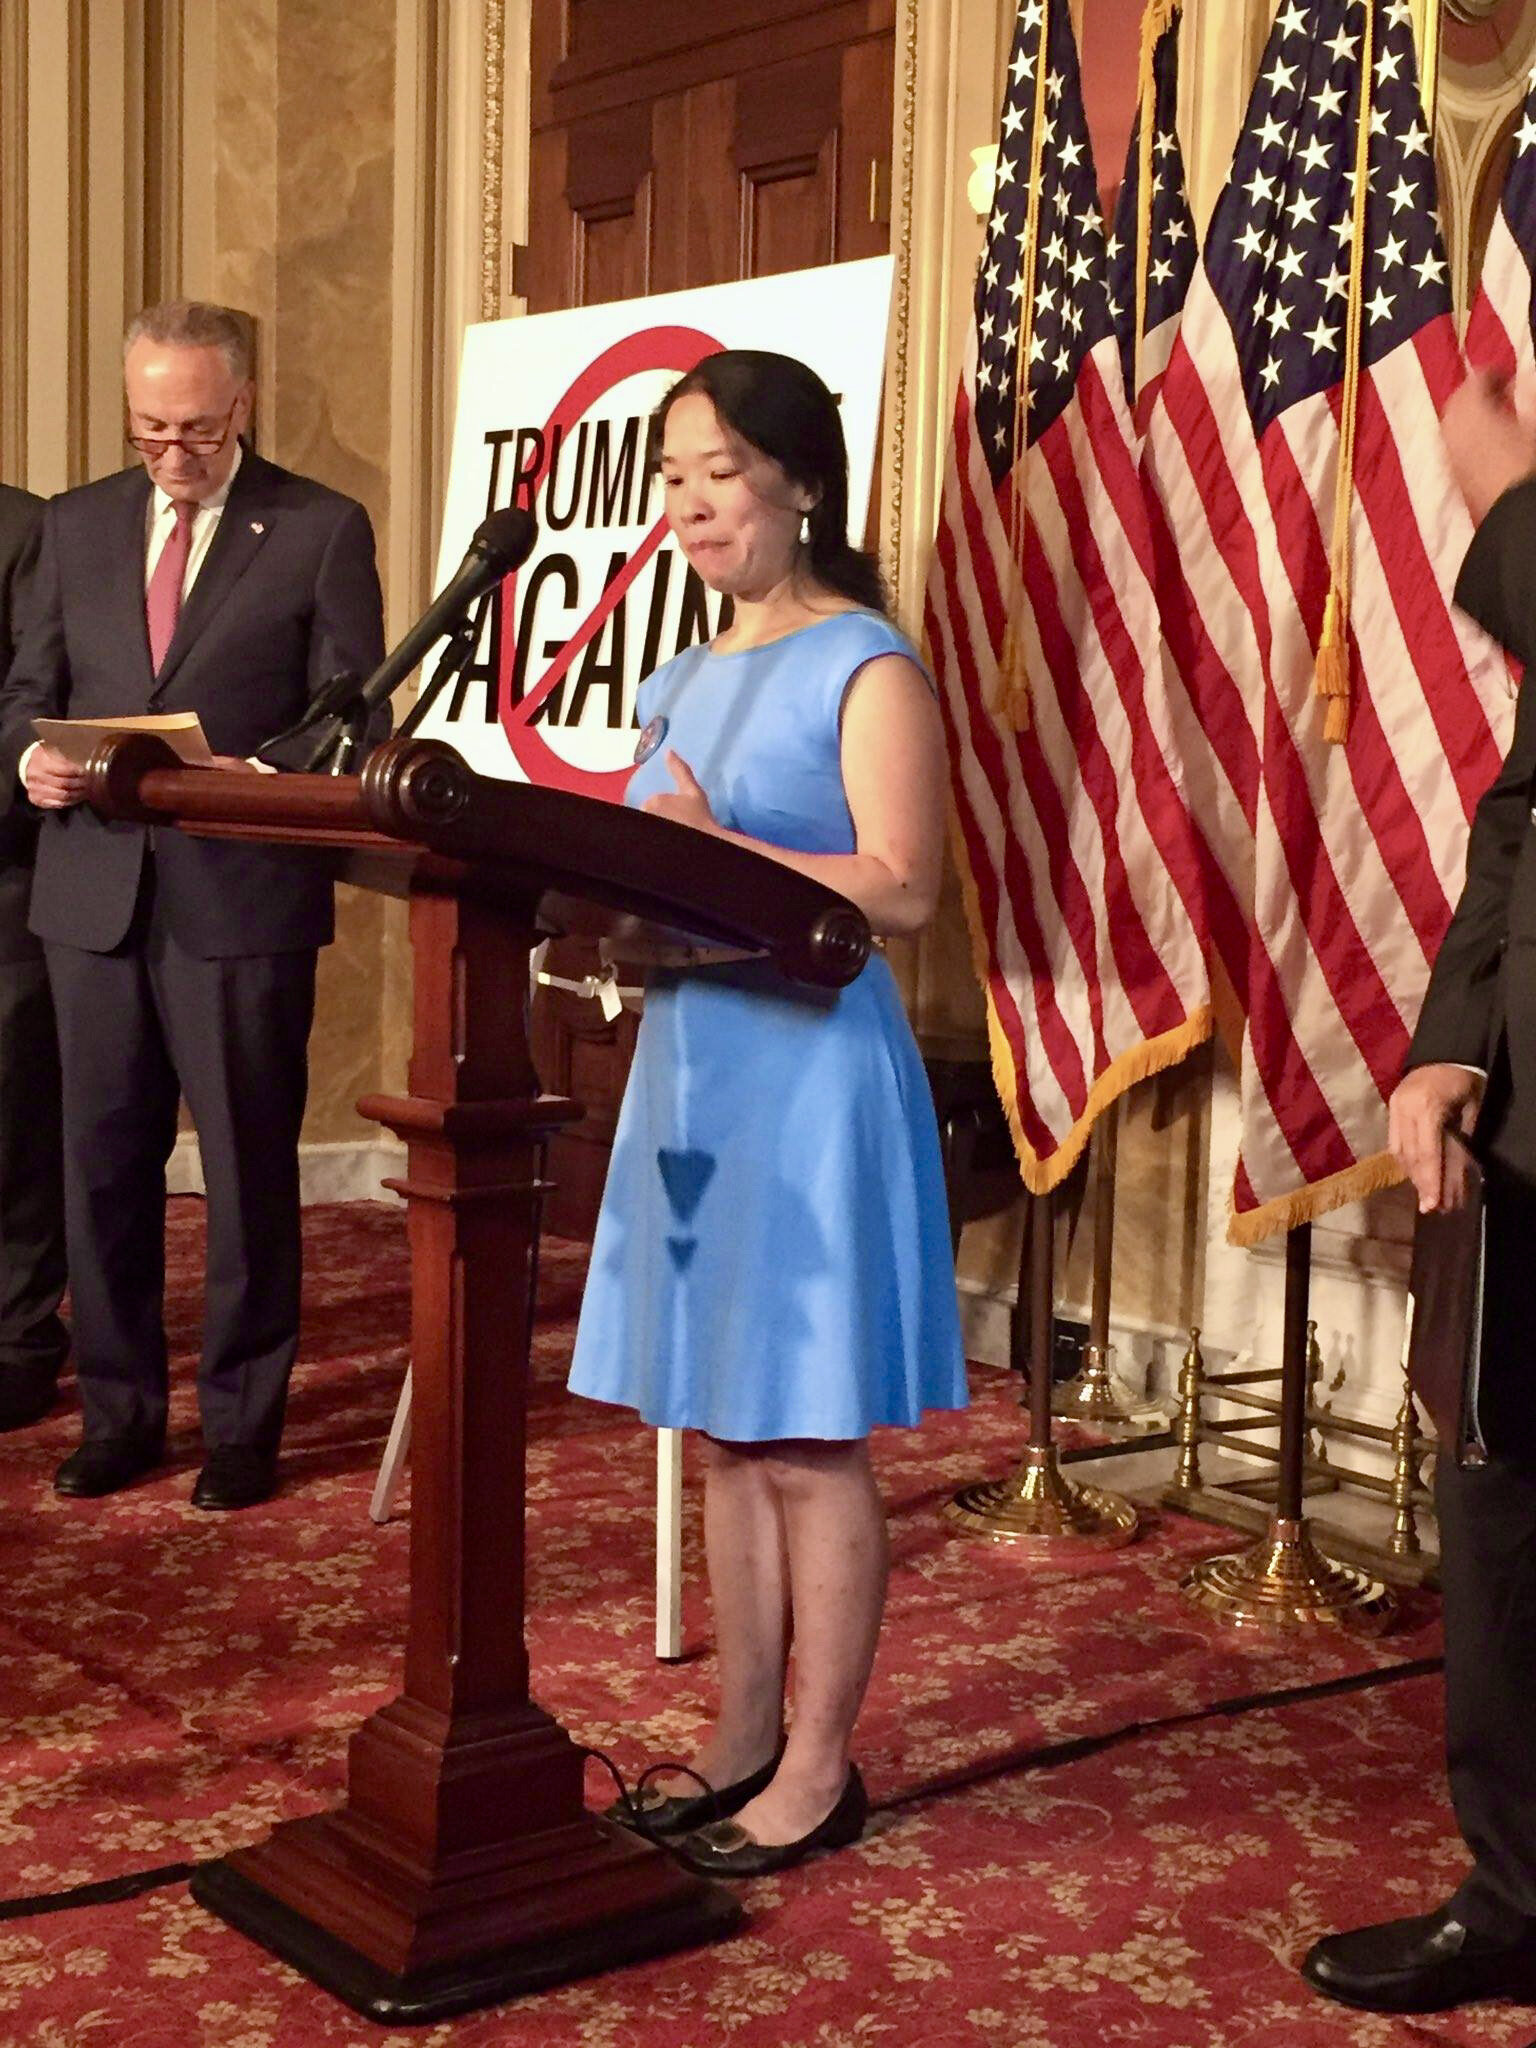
[{"x": 463, "y": 1866}]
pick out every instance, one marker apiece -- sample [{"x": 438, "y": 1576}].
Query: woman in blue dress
[{"x": 772, "y": 1263}]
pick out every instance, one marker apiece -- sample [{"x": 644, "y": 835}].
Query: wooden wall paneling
[
  {"x": 864, "y": 194},
  {"x": 789, "y": 212},
  {"x": 608, "y": 187},
  {"x": 613, "y": 247},
  {"x": 548, "y": 47},
  {"x": 549, "y": 273},
  {"x": 786, "y": 153},
  {"x": 698, "y": 235},
  {"x": 607, "y": 62},
  {"x": 608, "y": 36}
]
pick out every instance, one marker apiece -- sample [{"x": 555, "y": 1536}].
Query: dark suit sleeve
[
  {"x": 1497, "y": 587},
  {"x": 36, "y": 685},
  {"x": 348, "y": 633},
  {"x": 18, "y": 565}
]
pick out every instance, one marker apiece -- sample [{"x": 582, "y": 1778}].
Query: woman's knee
[{"x": 804, "y": 1466}]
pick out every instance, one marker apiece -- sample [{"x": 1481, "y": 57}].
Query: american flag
[
  {"x": 1076, "y": 852},
  {"x": 1499, "y": 327},
  {"x": 1349, "y": 857},
  {"x": 1171, "y": 246}
]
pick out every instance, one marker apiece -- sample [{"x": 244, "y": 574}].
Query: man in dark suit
[
  {"x": 1472, "y": 1068},
  {"x": 203, "y": 580},
  {"x": 33, "y": 1341}
]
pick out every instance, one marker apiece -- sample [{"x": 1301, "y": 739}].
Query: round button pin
[{"x": 650, "y": 739}]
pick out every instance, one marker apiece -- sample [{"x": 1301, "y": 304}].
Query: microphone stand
[
  {"x": 332, "y": 735},
  {"x": 325, "y": 739},
  {"x": 460, "y": 646}
]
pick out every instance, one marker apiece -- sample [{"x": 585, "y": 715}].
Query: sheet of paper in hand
[
  {"x": 1445, "y": 1329},
  {"x": 78, "y": 738}
]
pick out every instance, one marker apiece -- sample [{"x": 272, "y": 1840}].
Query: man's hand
[
  {"x": 52, "y": 780},
  {"x": 1490, "y": 447},
  {"x": 235, "y": 764},
  {"x": 1425, "y": 1105}
]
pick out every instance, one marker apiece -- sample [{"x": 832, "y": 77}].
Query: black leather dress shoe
[
  {"x": 235, "y": 1476},
  {"x": 106, "y": 1465},
  {"x": 1421, "y": 1965},
  {"x": 650, "y": 1811},
  {"x": 727, "y": 1850}
]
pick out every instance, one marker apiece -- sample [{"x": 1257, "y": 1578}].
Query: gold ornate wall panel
[
  {"x": 13, "y": 241},
  {"x": 1487, "y": 50},
  {"x": 105, "y": 202}
]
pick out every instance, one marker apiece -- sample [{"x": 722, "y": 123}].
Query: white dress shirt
[{"x": 159, "y": 519}]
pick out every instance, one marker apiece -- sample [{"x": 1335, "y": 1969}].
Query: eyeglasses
[{"x": 155, "y": 445}]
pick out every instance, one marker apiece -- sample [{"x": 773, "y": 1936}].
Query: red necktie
[{"x": 162, "y": 600}]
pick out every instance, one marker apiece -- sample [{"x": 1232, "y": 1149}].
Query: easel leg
[
  {"x": 669, "y": 1544},
  {"x": 396, "y": 1451}
]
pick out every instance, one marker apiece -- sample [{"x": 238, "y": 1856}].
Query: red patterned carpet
[{"x": 1100, "y": 1820}]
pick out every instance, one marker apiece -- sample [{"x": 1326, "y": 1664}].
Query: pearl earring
[{"x": 805, "y": 529}]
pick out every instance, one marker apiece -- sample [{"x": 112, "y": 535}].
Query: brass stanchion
[
  {"x": 1284, "y": 1581},
  {"x": 1407, "y": 1455},
  {"x": 1317, "y": 1447},
  {"x": 1097, "y": 1395},
  {"x": 1186, "y": 1430},
  {"x": 1037, "y": 1508}
]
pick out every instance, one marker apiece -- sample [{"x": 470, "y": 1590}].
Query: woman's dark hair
[{"x": 782, "y": 408}]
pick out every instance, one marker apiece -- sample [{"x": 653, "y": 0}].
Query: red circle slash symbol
[{"x": 653, "y": 348}]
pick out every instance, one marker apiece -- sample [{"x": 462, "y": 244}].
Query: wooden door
[{"x": 674, "y": 146}]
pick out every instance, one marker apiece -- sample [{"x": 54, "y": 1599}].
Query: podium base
[{"x": 692, "y": 1912}]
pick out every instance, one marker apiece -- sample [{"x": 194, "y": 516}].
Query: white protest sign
[{"x": 553, "y": 412}]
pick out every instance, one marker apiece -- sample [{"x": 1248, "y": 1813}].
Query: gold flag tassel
[
  {"x": 1010, "y": 702},
  {"x": 1331, "y": 674},
  {"x": 1159, "y": 17}
]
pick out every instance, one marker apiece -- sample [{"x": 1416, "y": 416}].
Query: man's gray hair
[{"x": 194, "y": 323}]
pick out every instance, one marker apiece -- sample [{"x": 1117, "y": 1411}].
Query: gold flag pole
[
  {"x": 1284, "y": 1581},
  {"x": 1010, "y": 700},
  {"x": 1097, "y": 1395},
  {"x": 1037, "y": 1508},
  {"x": 1426, "y": 23},
  {"x": 1155, "y": 23},
  {"x": 1331, "y": 675}
]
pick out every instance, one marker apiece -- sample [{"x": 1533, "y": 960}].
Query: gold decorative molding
[
  {"x": 13, "y": 241},
  {"x": 905, "y": 156},
  {"x": 419, "y": 343},
  {"x": 1426, "y": 31},
  {"x": 491, "y": 147}
]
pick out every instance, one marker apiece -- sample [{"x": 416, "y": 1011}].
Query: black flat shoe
[
  {"x": 649, "y": 1811},
  {"x": 106, "y": 1465},
  {"x": 727, "y": 1850},
  {"x": 235, "y": 1476},
  {"x": 1426, "y": 1964}
]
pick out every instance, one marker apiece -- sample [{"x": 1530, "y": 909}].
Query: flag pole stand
[
  {"x": 1284, "y": 1581},
  {"x": 1037, "y": 1509},
  {"x": 1098, "y": 1395}
]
